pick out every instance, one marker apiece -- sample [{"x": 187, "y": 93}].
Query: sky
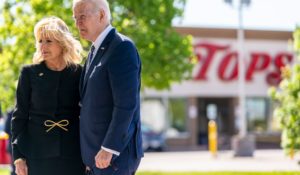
[{"x": 261, "y": 14}]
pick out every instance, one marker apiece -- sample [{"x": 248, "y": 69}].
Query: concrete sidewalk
[{"x": 263, "y": 160}]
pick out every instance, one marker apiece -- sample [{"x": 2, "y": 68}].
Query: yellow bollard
[
  {"x": 212, "y": 138},
  {"x": 292, "y": 153}
]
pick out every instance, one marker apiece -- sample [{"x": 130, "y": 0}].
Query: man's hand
[
  {"x": 21, "y": 167},
  {"x": 102, "y": 159}
]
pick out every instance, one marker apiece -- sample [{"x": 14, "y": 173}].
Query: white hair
[{"x": 97, "y": 4}]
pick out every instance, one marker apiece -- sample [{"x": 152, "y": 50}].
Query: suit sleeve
[
  {"x": 21, "y": 112},
  {"x": 124, "y": 80}
]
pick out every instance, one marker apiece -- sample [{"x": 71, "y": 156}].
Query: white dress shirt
[{"x": 100, "y": 39}]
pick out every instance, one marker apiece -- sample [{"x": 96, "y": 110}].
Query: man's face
[{"x": 87, "y": 21}]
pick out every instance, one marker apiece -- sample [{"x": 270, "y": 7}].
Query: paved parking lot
[{"x": 263, "y": 160}]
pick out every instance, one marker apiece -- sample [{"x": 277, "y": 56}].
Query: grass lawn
[
  {"x": 220, "y": 173},
  {"x": 4, "y": 171}
]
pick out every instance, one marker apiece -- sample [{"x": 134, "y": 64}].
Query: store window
[
  {"x": 165, "y": 114},
  {"x": 257, "y": 114},
  {"x": 153, "y": 114},
  {"x": 275, "y": 121},
  {"x": 177, "y": 113}
]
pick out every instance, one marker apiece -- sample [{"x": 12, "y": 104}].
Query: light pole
[{"x": 243, "y": 144}]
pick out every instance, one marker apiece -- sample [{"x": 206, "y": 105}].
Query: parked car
[{"x": 152, "y": 140}]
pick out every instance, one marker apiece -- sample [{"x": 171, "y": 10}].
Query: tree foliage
[
  {"x": 165, "y": 54},
  {"x": 287, "y": 96}
]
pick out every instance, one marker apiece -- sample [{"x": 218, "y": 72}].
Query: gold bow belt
[{"x": 51, "y": 124}]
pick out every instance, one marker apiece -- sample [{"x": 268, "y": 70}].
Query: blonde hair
[{"x": 55, "y": 28}]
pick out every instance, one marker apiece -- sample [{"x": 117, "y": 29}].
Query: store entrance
[{"x": 222, "y": 111}]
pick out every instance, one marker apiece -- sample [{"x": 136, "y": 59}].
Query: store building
[{"x": 183, "y": 111}]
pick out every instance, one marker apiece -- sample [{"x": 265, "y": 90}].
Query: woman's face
[{"x": 50, "y": 49}]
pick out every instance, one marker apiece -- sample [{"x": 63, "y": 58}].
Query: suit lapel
[{"x": 101, "y": 51}]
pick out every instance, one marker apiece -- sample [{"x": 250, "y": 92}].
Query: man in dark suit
[{"x": 110, "y": 126}]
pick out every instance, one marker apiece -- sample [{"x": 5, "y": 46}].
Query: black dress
[{"x": 45, "y": 124}]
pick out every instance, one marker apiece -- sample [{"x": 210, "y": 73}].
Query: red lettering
[
  {"x": 281, "y": 59},
  {"x": 258, "y": 62},
  {"x": 224, "y": 66},
  {"x": 228, "y": 67},
  {"x": 273, "y": 78},
  {"x": 205, "y": 62}
]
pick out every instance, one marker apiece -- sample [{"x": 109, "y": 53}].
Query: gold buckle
[{"x": 51, "y": 124}]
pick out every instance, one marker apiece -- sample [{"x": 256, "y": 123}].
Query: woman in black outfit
[{"x": 45, "y": 123}]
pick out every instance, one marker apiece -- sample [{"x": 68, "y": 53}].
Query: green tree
[
  {"x": 287, "y": 98},
  {"x": 166, "y": 55}
]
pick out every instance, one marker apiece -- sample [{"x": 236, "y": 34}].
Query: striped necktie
[{"x": 90, "y": 58}]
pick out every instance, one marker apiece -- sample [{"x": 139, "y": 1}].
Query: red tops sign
[{"x": 228, "y": 66}]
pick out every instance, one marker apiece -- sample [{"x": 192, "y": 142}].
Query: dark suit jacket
[
  {"x": 110, "y": 99},
  {"x": 43, "y": 94}
]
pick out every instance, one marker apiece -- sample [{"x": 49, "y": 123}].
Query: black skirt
[{"x": 56, "y": 166}]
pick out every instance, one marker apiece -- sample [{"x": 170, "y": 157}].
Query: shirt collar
[{"x": 101, "y": 37}]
